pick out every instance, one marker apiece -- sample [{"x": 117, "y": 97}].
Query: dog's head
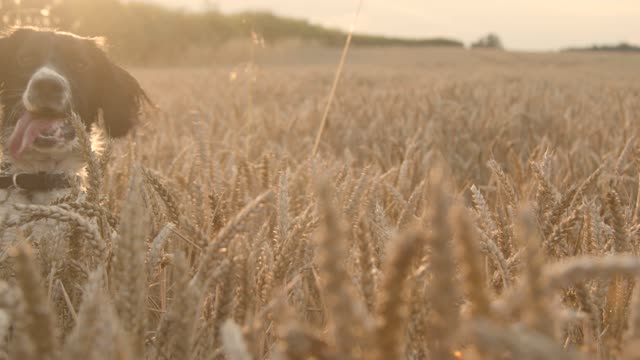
[{"x": 45, "y": 76}]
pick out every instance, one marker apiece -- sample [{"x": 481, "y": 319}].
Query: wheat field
[{"x": 461, "y": 205}]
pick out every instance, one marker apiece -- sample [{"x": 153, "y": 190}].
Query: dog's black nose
[
  {"x": 47, "y": 88},
  {"x": 47, "y": 92}
]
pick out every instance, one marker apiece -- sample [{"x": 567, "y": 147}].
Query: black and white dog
[{"x": 46, "y": 77}]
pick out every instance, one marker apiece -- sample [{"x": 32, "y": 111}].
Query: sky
[{"x": 522, "y": 25}]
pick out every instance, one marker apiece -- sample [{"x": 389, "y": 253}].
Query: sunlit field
[{"x": 460, "y": 205}]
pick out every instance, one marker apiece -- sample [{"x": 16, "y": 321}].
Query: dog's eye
[
  {"x": 81, "y": 65},
  {"x": 26, "y": 60}
]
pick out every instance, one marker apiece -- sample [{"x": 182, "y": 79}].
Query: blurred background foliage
[{"x": 141, "y": 33}]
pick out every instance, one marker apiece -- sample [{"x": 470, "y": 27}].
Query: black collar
[{"x": 35, "y": 182}]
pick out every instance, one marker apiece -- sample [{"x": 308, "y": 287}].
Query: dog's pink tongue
[{"x": 27, "y": 130}]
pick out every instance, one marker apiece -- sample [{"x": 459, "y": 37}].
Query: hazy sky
[{"x": 527, "y": 25}]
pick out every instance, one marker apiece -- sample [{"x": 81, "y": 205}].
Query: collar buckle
[{"x": 14, "y": 179}]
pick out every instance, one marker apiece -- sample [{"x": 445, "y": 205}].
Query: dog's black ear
[
  {"x": 7, "y": 52},
  {"x": 121, "y": 100},
  {"x": 120, "y": 96},
  {"x": 4, "y": 51}
]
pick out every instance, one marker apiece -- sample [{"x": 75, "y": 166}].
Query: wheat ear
[
  {"x": 337, "y": 290},
  {"x": 392, "y": 305},
  {"x": 39, "y": 317},
  {"x": 129, "y": 273}
]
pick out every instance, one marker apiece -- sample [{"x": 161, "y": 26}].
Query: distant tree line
[
  {"x": 142, "y": 33},
  {"x": 622, "y": 47},
  {"x": 489, "y": 41}
]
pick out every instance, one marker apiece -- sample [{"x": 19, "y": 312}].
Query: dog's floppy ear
[
  {"x": 4, "y": 52},
  {"x": 121, "y": 99},
  {"x": 7, "y": 52},
  {"x": 120, "y": 96}
]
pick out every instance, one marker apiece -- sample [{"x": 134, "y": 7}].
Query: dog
[{"x": 46, "y": 77}]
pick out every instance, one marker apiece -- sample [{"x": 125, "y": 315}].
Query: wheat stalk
[
  {"x": 39, "y": 319},
  {"x": 94, "y": 175},
  {"x": 392, "y": 307},
  {"x": 88, "y": 230},
  {"x": 337, "y": 291},
  {"x": 443, "y": 320},
  {"x": 128, "y": 274}
]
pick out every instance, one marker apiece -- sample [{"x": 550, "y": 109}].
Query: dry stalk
[
  {"x": 346, "y": 329},
  {"x": 392, "y": 305},
  {"x": 39, "y": 321},
  {"x": 128, "y": 271}
]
